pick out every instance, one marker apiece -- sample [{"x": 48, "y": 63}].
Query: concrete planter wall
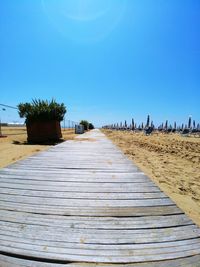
[{"x": 45, "y": 131}]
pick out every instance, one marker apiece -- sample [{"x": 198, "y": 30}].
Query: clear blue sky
[{"x": 107, "y": 60}]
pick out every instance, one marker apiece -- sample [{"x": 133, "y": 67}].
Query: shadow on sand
[{"x": 46, "y": 143}]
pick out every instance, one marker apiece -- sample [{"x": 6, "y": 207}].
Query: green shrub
[
  {"x": 91, "y": 126},
  {"x": 85, "y": 124},
  {"x": 41, "y": 110}
]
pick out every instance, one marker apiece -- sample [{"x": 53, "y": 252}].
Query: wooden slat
[
  {"x": 83, "y": 188},
  {"x": 76, "y": 183},
  {"x": 76, "y": 178},
  {"x": 82, "y": 195},
  {"x": 101, "y": 236},
  {"x": 7, "y": 261},
  {"x": 91, "y": 211},
  {"x": 96, "y": 222},
  {"x": 61, "y": 254},
  {"x": 68, "y": 202}
]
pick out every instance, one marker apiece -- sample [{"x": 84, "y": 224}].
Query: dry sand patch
[
  {"x": 170, "y": 160},
  {"x": 14, "y": 147}
]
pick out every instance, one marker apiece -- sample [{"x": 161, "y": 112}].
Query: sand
[
  {"x": 14, "y": 147},
  {"x": 170, "y": 160}
]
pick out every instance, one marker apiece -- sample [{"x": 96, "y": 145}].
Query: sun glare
[{"x": 85, "y": 20}]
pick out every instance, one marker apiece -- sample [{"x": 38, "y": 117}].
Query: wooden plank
[
  {"x": 72, "y": 172},
  {"x": 76, "y": 178},
  {"x": 74, "y": 169},
  {"x": 99, "y": 189},
  {"x": 41, "y": 246},
  {"x": 26, "y": 166},
  {"x": 87, "y": 250},
  {"x": 79, "y": 164},
  {"x": 7, "y": 261},
  {"x": 80, "y": 195},
  {"x": 70, "y": 202},
  {"x": 28, "y": 250},
  {"x": 97, "y": 222},
  {"x": 90, "y": 211},
  {"x": 101, "y": 236},
  {"x": 96, "y": 239},
  {"x": 76, "y": 183}
]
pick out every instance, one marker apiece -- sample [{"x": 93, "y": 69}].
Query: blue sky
[{"x": 107, "y": 60}]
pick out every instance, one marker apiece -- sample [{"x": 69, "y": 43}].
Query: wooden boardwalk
[{"x": 83, "y": 202}]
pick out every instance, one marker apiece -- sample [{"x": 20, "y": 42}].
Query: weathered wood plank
[
  {"x": 80, "y": 195},
  {"x": 93, "y": 238},
  {"x": 90, "y": 211},
  {"x": 69, "y": 254},
  {"x": 76, "y": 178},
  {"x": 7, "y": 261},
  {"x": 68, "y": 202},
  {"x": 101, "y": 236},
  {"x": 60, "y": 254},
  {"x": 96, "y": 222},
  {"x": 75, "y": 183},
  {"x": 99, "y": 189}
]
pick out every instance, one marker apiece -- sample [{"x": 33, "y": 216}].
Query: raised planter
[
  {"x": 42, "y": 118},
  {"x": 43, "y": 131}
]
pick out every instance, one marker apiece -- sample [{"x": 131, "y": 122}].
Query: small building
[{"x": 79, "y": 129}]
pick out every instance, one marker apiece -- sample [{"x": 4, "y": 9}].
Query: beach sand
[
  {"x": 14, "y": 147},
  {"x": 170, "y": 160}
]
